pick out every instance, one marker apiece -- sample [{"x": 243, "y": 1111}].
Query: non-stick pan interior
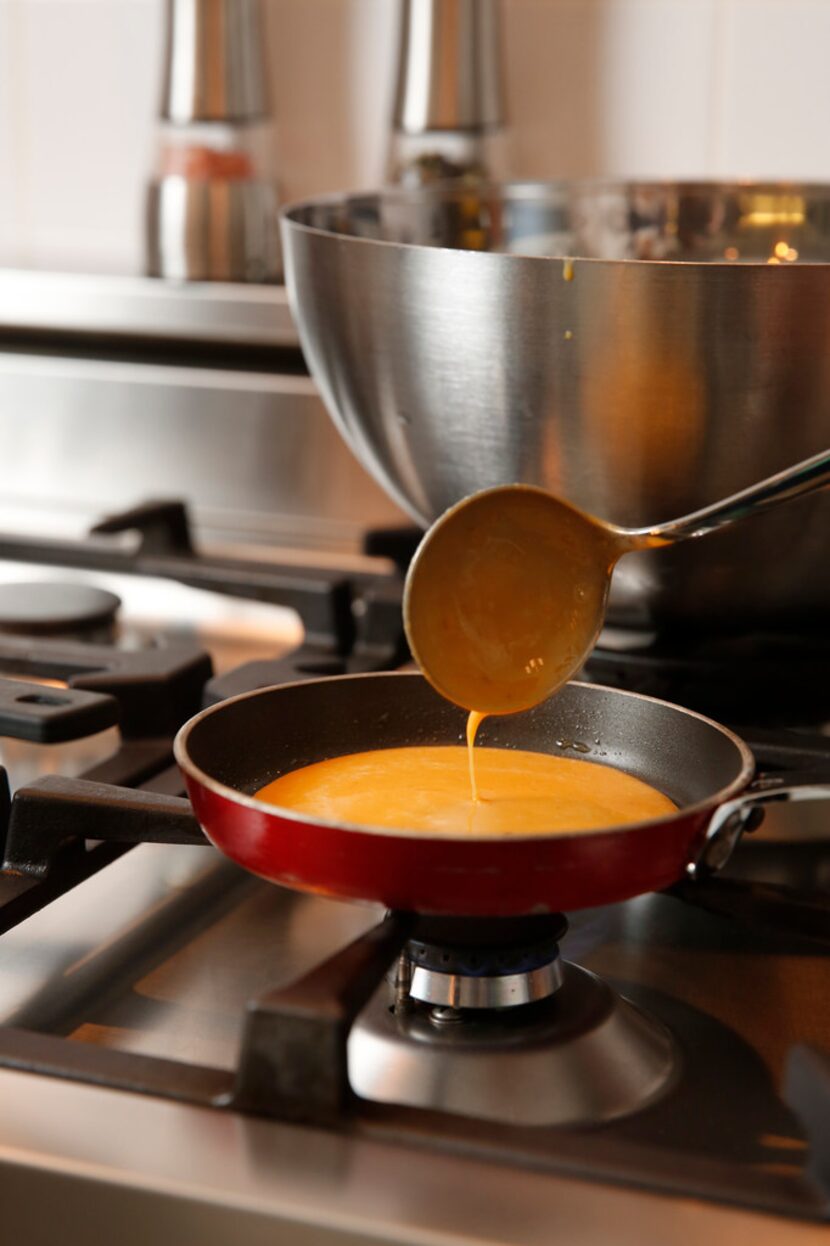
[{"x": 246, "y": 742}]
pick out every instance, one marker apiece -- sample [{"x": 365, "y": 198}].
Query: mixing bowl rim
[{"x": 288, "y": 215}]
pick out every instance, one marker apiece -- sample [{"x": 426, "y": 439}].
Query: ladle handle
[{"x": 806, "y": 477}]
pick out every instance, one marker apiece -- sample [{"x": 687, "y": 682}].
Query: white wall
[{"x": 681, "y": 88}]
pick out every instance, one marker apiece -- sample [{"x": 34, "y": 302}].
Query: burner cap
[{"x": 40, "y": 608}]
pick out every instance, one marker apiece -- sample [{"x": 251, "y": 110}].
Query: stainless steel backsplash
[{"x": 253, "y": 453}]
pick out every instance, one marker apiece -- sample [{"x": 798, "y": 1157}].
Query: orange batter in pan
[{"x": 428, "y": 789}]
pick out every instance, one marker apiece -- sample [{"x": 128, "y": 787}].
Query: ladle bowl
[{"x": 507, "y": 592}]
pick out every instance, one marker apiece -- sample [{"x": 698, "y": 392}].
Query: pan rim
[{"x": 236, "y": 797}]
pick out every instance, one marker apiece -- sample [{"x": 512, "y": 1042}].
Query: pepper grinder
[
  {"x": 211, "y": 208},
  {"x": 448, "y": 118}
]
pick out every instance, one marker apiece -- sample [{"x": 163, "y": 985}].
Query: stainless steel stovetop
[{"x": 168, "y": 943}]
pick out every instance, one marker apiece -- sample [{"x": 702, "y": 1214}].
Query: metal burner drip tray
[{"x": 583, "y": 1056}]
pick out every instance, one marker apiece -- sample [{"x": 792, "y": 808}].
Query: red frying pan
[{"x": 232, "y": 749}]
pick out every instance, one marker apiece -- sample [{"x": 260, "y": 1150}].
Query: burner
[
  {"x": 461, "y": 963},
  {"x": 40, "y": 608},
  {"x": 498, "y": 1028}
]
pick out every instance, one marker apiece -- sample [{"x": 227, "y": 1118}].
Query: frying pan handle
[
  {"x": 745, "y": 813},
  {"x": 53, "y": 812},
  {"x": 766, "y": 907}
]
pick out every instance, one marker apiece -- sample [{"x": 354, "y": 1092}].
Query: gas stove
[{"x": 205, "y": 1056}]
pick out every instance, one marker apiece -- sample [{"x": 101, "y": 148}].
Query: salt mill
[
  {"x": 211, "y": 211},
  {"x": 448, "y": 117}
]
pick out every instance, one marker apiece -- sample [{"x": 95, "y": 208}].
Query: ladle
[{"x": 506, "y": 594}]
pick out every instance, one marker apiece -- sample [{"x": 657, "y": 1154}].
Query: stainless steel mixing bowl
[{"x": 682, "y": 353}]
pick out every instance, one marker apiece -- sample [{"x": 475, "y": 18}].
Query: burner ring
[
  {"x": 457, "y": 990},
  {"x": 481, "y": 963}
]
